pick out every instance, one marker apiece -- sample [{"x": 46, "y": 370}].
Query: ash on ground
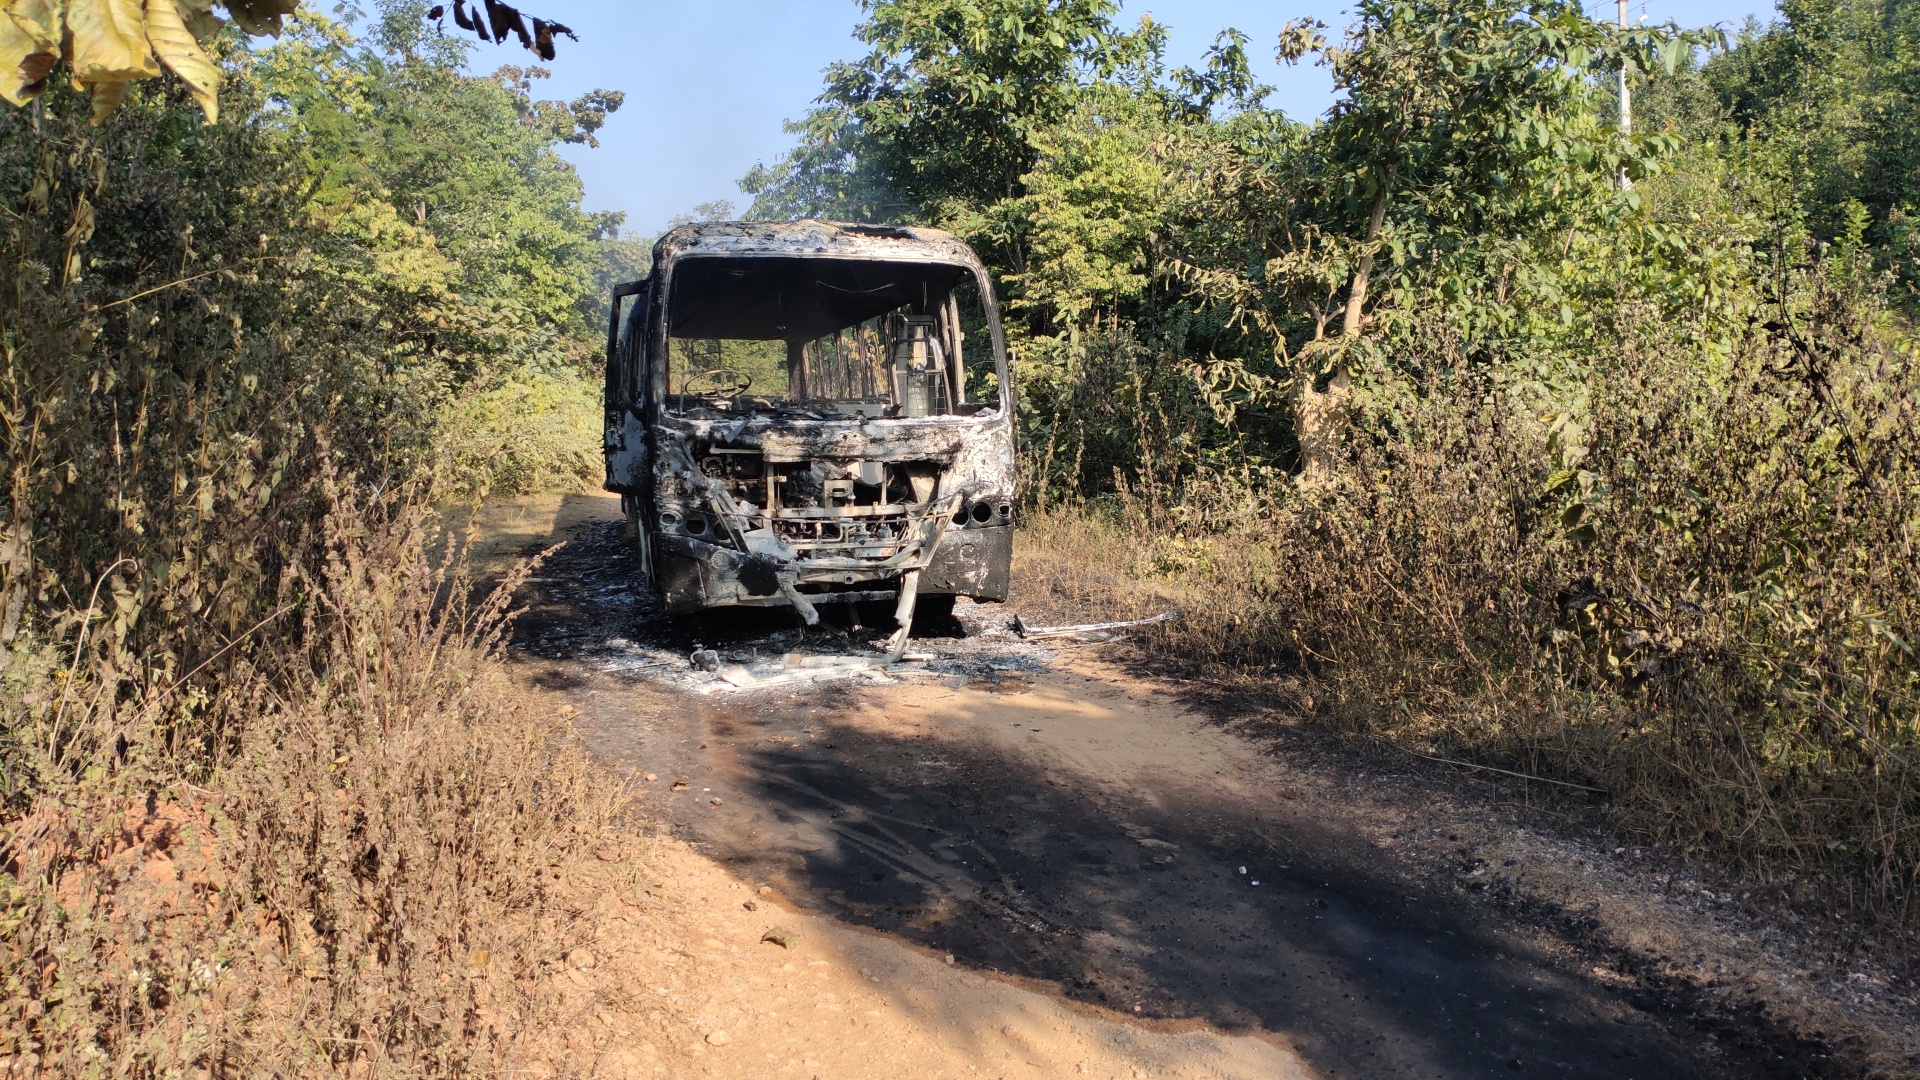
[
  {"x": 986, "y": 650},
  {"x": 589, "y": 602}
]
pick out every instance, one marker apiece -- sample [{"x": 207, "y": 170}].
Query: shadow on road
[
  {"x": 1138, "y": 904},
  {"x": 1127, "y": 897}
]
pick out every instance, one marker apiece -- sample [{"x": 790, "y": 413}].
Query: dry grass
[
  {"x": 1076, "y": 566},
  {"x": 367, "y": 880},
  {"x": 265, "y": 805},
  {"x": 1702, "y": 598}
]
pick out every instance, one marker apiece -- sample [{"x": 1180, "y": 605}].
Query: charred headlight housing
[
  {"x": 679, "y": 521},
  {"x": 983, "y": 512}
]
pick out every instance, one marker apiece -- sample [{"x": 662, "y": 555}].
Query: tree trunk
[
  {"x": 797, "y": 372},
  {"x": 1357, "y": 294},
  {"x": 1318, "y": 424},
  {"x": 1318, "y": 407}
]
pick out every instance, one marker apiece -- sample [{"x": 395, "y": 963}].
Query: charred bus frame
[{"x": 878, "y": 466}]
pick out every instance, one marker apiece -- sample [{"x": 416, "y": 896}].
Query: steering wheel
[{"x": 727, "y": 382}]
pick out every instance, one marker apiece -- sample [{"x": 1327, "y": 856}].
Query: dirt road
[{"x": 1078, "y": 832}]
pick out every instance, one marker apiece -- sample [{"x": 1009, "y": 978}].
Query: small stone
[
  {"x": 715, "y": 802},
  {"x": 765, "y": 889},
  {"x": 780, "y": 936},
  {"x": 949, "y": 959},
  {"x": 651, "y": 778},
  {"x": 581, "y": 959},
  {"x": 751, "y": 906},
  {"x": 718, "y": 1038}
]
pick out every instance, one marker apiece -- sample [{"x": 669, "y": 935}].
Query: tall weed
[
  {"x": 267, "y": 807},
  {"x": 365, "y": 877},
  {"x": 1698, "y": 593}
]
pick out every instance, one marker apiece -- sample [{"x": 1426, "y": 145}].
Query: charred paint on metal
[{"x": 955, "y": 534}]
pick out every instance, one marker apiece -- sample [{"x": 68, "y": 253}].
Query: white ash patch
[{"x": 797, "y": 658}]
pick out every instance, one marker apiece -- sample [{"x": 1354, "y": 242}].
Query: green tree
[
  {"x": 448, "y": 209},
  {"x": 1824, "y": 107},
  {"x": 935, "y": 120},
  {"x": 396, "y": 134},
  {"x": 1466, "y": 121}
]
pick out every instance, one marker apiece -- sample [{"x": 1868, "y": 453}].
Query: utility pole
[{"x": 1626, "y": 99}]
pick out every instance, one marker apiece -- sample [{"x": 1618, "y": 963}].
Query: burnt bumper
[
  {"x": 971, "y": 562},
  {"x": 693, "y": 574}
]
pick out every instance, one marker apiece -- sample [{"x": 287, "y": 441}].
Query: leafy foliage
[
  {"x": 942, "y": 107},
  {"x": 1459, "y": 408},
  {"x": 108, "y": 44},
  {"x": 447, "y": 209},
  {"x": 238, "y": 361}
]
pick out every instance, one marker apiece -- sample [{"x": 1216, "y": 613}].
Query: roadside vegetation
[
  {"x": 1441, "y": 432},
  {"x": 1436, "y": 432},
  {"x": 266, "y": 805}
]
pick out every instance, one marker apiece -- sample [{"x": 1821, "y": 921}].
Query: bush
[
  {"x": 366, "y": 874},
  {"x": 531, "y": 432},
  {"x": 1696, "y": 595},
  {"x": 266, "y": 807}
]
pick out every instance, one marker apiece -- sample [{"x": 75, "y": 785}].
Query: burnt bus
[{"x": 810, "y": 413}]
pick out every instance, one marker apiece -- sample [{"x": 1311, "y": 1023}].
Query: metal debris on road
[
  {"x": 1100, "y": 631},
  {"x": 794, "y": 659}
]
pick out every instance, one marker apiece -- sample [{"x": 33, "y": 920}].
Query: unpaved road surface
[{"x": 1082, "y": 833}]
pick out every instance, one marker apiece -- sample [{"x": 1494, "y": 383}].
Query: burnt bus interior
[
  {"x": 821, "y": 339},
  {"x": 824, "y": 339},
  {"x": 747, "y": 345}
]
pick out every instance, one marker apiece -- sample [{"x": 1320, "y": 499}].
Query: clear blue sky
[{"x": 708, "y": 82}]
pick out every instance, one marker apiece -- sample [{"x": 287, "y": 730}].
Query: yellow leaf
[
  {"x": 200, "y": 19},
  {"x": 29, "y": 47},
  {"x": 80, "y": 229},
  {"x": 24, "y": 63},
  {"x": 41, "y": 18},
  {"x": 107, "y": 99},
  {"x": 172, "y": 42},
  {"x": 108, "y": 43}
]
